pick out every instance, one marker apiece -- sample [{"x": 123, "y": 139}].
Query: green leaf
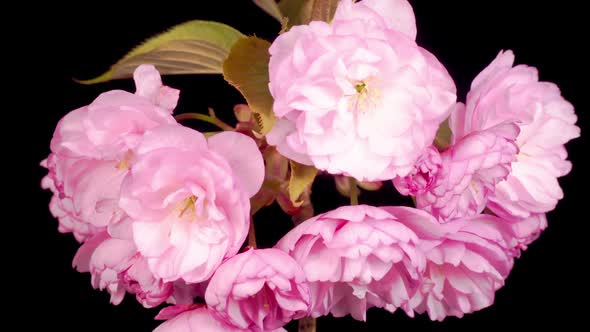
[
  {"x": 297, "y": 12},
  {"x": 287, "y": 12},
  {"x": 271, "y": 8},
  {"x": 246, "y": 68},
  {"x": 443, "y": 136},
  {"x": 195, "y": 47},
  {"x": 302, "y": 176},
  {"x": 323, "y": 10}
]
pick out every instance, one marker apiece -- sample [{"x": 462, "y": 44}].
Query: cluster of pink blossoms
[
  {"x": 157, "y": 206},
  {"x": 162, "y": 212}
]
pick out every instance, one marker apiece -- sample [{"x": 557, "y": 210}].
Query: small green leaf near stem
[
  {"x": 302, "y": 176},
  {"x": 443, "y": 136}
]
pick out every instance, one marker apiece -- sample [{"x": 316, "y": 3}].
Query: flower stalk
[
  {"x": 206, "y": 118},
  {"x": 252, "y": 234},
  {"x": 354, "y": 192}
]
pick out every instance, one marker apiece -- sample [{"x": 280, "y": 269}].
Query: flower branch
[
  {"x": 212, "y": 119},
  {"x": 161, "y": 209}
]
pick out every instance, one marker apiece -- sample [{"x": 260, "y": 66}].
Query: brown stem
[
  {"x": 252, "y": 234},
  {"x": 203, "y": 117},
  {"x": 354, "y": 192},
  {"x": 307, "y": 324}
]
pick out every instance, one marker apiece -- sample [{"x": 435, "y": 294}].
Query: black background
[{"x": 548, "y": 285}]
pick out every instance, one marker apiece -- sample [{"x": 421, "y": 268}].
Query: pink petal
[{"x": 243, "y": 156}]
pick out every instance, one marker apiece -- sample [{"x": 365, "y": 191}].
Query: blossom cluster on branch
[{"x": 163, "y": 211}]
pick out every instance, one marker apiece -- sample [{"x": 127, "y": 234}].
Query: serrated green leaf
[
  {"x": 323, "y": 10},
  {"x": 195, "y": 47},
  {"x": 246, "y": 68},
  {"x": 302, "y": 176},
  {"x": 443, "y": 136}
]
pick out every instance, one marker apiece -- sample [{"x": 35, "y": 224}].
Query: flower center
[
  {"x": 366, "y": 97},
  {"x": 474, "y": 187},
  {"x": 360, "y": 87},
  {"x": 188, "y": 205},
  {"x": 123, "y": 164}
]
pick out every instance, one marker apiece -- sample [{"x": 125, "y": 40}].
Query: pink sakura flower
[
  {"x": 258, "y": 290},
  {"x": 470, "y": 170},
  {"x": 117, "y": 266},
  {"x": 357, "y": 97},
  {"x": 114, "y": 122},
  {"x": 385, "y": 14},
  {"x": 422, "y": 176},
  {"x": 190, "y": 318},
  {"x": 358, "y": 257},
  {"x": 194, "y": 318},
  {"x": 502, "y": 93},
  {"x": 465, "y": 266},
  {"x": 71, "y": 219},
  {"x": 85, "y": 193},
  {"x": 188, "y": 198},
  {"x": 92, "y": 148},
  {"x": 528, "y": 229}
]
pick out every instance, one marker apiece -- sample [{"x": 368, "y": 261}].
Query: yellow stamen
[
  {"x": 360, "y": 87},
  {"x": 123, "y": 164},
  {"x": 366, "y": 97},
  {"x": 189, "y": 204}
]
